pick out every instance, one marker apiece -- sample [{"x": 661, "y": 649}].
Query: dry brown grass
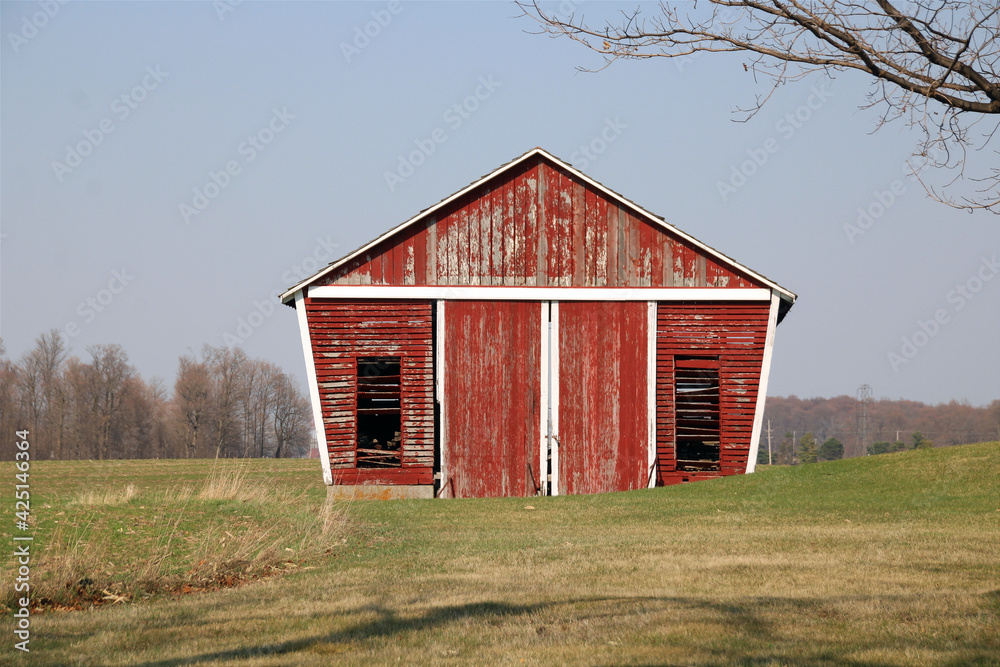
[
  {"x": 118, "y": 544},
  {"x": 110, "y": 496}
]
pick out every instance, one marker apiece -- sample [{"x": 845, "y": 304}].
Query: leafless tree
[
  {"x": 41, "y": 393},
  {"x": 192, "y": 403},
  {"x": 933, "y": 63},
  {"x": 225, "y": 367},
  {"x": 8, "y": 400},
  {"x": 256, "y": 395},
  {"x": 226, "y": 405},
  {"x": 82, "y": 427},
  {"x": 291, "y": 417},
  {"x": 144, "y": 420},
  {"x": 109, "y": 378}
]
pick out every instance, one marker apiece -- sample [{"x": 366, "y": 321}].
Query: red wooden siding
[
  {"x": 603, "y": 425},
  {"x": 492, "y": 385},
  {"x": 536, "y": 224},
  {"x": 733, "y": 332},
  {"x": 342, "y": 331}
]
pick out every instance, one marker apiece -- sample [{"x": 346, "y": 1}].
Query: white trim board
[
  {"x": 655, "y": 219},
  {"x": 317, "y": 408},
  {"x": 476, "y": 293},
  {"x": 439, "y": 395},
  {"x": 554, "y": 398},
  {"x": 651, "y": 392},
  {"x": 543, "y": 459},
  {"x": 765, "y": 370}
]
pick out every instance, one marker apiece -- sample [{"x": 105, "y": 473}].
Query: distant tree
[
  {"x": 192, "y": 404},
  {"x": 227, "y": 405},
  {"x": 255, "y": 403},
  {"x": 145, "y": 419},
  {"x": 786, "y": 450},
  {"x": 831, "y": 450},
  {"x": 8, "y": 395},
  {"x": 808, "y": 452},
  {"x": 109, "y": 379},
  {"x": 225, "y": 368},
  {"x": 898, "y": 446},
  {"x": 291, "y": 421},
  {"x": 762, "y": 455},
  {"x": 40, "y": 390},
  {"x": 920, "y": 442},
  {"x": 879, "y": 448},
  {"x": 82, "y": 426}
]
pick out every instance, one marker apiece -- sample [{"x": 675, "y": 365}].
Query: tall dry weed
[
  {"x": 107, "y": 496},
  {"x": 231, "y": 481}
]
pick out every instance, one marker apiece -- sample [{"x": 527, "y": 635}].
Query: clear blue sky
[{"x": 162, "y": 95}]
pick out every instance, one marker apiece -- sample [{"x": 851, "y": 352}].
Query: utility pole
[
  {"x": 864, "y": 401},
  {"x": 768, "y": 442}
]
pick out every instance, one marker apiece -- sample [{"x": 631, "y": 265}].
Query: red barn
[{"x": 535, "y": 333}]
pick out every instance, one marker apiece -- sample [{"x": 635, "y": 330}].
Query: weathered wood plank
[
  {"x": 731, "y": 335},
  {"x": 492, "y": 397},
  {"x": 602, "y": 396},
  {"x": 537, "y": 225},
  {"x": 342, "y": 331}
]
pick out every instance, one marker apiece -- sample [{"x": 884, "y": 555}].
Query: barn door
[
  {"x": 493, "y": 405},
  {"x": 601, "y": 396}
]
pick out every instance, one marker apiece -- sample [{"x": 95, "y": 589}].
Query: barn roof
[{"x": 787, "y": 296}]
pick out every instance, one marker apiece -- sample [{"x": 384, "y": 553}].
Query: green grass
[{"x": 888, "y": 560}]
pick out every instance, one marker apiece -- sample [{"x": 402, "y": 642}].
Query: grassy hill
[{"x": 889, "y": 560}]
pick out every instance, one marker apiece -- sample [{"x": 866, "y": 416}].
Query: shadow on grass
[
  {"x": 746, "y": 620},
  {"x": 388, "y": 623}
]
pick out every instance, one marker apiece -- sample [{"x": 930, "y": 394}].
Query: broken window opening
[
  {"x": 696, "y": 408},
  {"x": 379, "y": 413}
]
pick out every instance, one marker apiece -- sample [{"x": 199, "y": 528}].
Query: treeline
[
  {"x": 889, "y": 425},
  {"x": 808, "y": 449},
  {"x": 223, "y": 404}
]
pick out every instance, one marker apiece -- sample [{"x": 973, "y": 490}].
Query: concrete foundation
[{"x": 378, "y": 492}]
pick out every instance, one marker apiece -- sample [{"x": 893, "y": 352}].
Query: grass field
[{"x": 888, "y": 560}]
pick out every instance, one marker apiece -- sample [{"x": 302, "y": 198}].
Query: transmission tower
[{"x": 863, "y": 407}]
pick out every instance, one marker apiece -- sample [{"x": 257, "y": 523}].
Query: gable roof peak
[{"x": 786, "y": 295}]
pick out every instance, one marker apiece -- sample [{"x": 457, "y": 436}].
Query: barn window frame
[
  {"x": 378, "y": 411},
  {"x": 697, "y": 385}
]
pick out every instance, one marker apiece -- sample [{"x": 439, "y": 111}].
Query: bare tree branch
[{"x": 933, "y": 62}]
